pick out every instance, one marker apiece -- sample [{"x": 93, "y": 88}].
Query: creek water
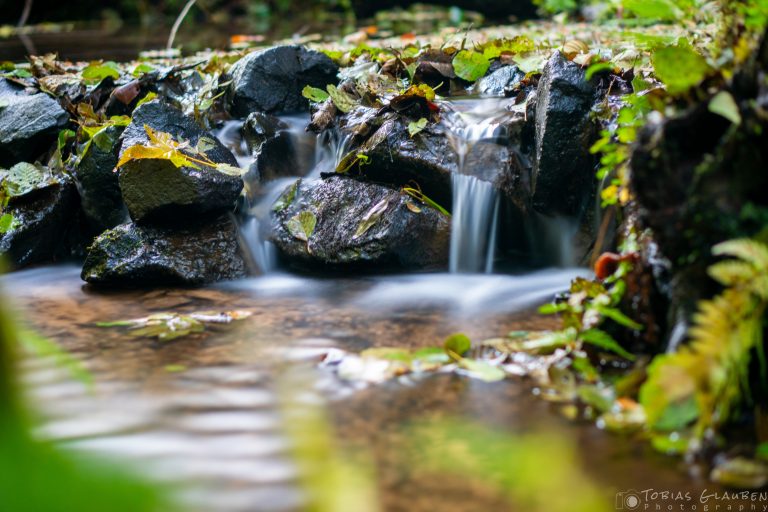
[{"x": 204, "y": 413}]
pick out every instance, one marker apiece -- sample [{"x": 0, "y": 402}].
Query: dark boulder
[
  {"x": 40, "y": 215},
  {"x": 156, "y": 190},
  {"x": 501, "y": 82},
  {"x": 132, "y": 255},
  {"x": 428, "y": 159},
  {"x": 345, "y": 222},
  {"x": 271, "y": 80},
  {"x": 563, "y": 177},
  {"x": 29, "y": 123},
  {"x": 97, "y": 181}
]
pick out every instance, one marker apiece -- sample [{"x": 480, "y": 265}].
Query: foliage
[
  {"x": 680, "y": 67},
  {"x": 706, "y": 380},
  {"x": 170, "y": 326},
  {"x": 417, "y": 194},
  {"x": 470, "y": 65},
  {"x": 415, "y": 127},
  {"x": 162, "y": 146}
]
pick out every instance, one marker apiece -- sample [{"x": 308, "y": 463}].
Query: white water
[{"x": 475, "y": 213}]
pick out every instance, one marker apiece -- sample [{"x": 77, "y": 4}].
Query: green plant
[{"x": 707, "y": 380}]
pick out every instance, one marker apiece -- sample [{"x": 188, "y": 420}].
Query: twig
[
  {"x": 177, "y": 23},
  {"x": 25, "y": 40}
]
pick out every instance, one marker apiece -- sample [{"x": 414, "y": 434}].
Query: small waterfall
[
  {"x": 473, "y": 228},
  {"x": 475, "y": 201}
]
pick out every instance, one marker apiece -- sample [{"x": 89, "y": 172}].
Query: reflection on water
[{"x": 201, "y": 412}]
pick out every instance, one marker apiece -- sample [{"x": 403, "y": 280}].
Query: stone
[
  {"x": 359, "y": 224},
  {"x": 29, "y": 123},
  {"x": 271, "y": 80},
  {"x": 158, "y": 191},
  {"x": 563, "y": 178},
  {"x": 144, "y": 256}
]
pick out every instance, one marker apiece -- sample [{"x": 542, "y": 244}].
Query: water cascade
[{"x": 475, "y": 201}]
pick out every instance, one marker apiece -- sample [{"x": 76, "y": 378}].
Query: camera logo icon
[{"x": 628, "y": 500}]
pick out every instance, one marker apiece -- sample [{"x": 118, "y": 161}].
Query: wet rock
[
  {"x": 563, "y": 177},
  {"x": 358, "y": 224},
  {"x": 133, "y": 255},
  {"x": 29, "y": 123},
  {"x": 501, "y": 82},
  {"x": 158, "y": 191},
  {"x": 97, "y": 181},
  {"x": 41, "y": 213},
  {"x": 271, "y": 80},
  {"x": 428, "y": 159}
]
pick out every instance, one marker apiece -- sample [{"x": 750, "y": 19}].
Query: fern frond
[
  {"x": 745, "y": 249},
  {"x": 731, "y": 272}
]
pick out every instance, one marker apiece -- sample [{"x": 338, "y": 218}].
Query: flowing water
[{"x": 205, "y": 413}]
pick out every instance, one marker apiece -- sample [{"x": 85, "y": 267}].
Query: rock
[
  {"x": 133, "y": 255},
  {"x": 97, "y": 181},
  {"x": 428, "y": 159},
  {"x": 271, "y": 80},
  {"x": 501, "y": 82},
  {"x": 393, "y": 234},
  {"x": 156, "y": 190},
  {"x": 563, "y": 177},
  {"x": 29, "y": 123},
  {"x": 40, "y": 215}
]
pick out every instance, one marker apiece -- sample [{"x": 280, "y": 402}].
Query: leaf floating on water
[
  {"x": 169, "y": 326},
  {"x": 302, "y": 225},
  {"x": 370, "y": 218},
  {"x": 415, "y": 127}
]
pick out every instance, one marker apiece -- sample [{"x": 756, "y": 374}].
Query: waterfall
[
  {"x": 473, "y": 228},
  {"x": 475, "y": 212}
]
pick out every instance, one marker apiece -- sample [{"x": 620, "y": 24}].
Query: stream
[{"x": 204, "y": 413}]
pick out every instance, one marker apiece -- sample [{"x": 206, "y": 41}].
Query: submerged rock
[
  {"x": 29, "y": 123},
  {"x": 563, "y": 168},
  {"x": 157, "y": 190},
  {"x": 342, "y": 221},
  {"x": 146, "y": 256},
  {"x": 40, "y": 214},
  {"x": 97, "y": 181},
  {"x": 271, "y": 80}
]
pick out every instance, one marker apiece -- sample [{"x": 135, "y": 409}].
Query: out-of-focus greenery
[{"x": 38, "y": 476}]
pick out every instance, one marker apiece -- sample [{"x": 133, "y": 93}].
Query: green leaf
[
  {"x": 530, "y": 62},
  {"x": 518, "y": 44},
  {"x": 146, "y": 99},
  {"x": 601, "y": 398},
  {"x": 597, "y": 68},
  {"x": 371, "y": 217},
  {"x": 302, "y": 225},
  {"x": 661, "y": 10},
  {"x": 670, "y": 444},
  {"x": 230, "y": 170},
  {"x": 618, "y": 317},
  {"x": 314, "y": 94},
  {"x": 457, "y": 344},
  {"x": 415, "y": 127},
  {"x": 7, "y": 223},
  {"x": 343, "y": 101},
  {"x": 97, "y": 71},
  {"x": 470, "y": 65},
  {"x": 141, "y": 69},
  {"x": 287, "y": 197},
  {"x": 603, "y": 340},
  {"x": 723, "y": 104},
  {"x": 679, "y": 67},
  {"x": 482, "y": 370}
]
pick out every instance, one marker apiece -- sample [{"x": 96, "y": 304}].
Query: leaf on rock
[
  {"x": 415, "y": 127},
  {"x": 723, "y": 104},
  {"x": 470, "y": 65},
  {"x": 302, "y": 225},
  {"x": 7, "y": 223},
  {"x": 287, "y": 197},
  {"x": 314, "y": 94},
  {"x": 230, "y": 170},
  {"x": 457, "y": 344},
  {"x": 371, "y": 217},
  {"x": 97, "y": 71},
  {"x": 343, "y": 101}
]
